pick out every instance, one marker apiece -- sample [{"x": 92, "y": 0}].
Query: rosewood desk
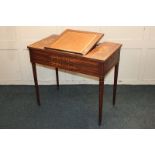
[{"x": 98, "y": 62}]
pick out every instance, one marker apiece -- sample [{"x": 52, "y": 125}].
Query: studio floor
[{"x": 76, "y": 107}]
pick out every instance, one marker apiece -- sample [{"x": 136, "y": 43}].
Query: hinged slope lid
[{"x": 74, "y": 41}]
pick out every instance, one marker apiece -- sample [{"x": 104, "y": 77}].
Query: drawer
[{"x": 66, "y": 61}]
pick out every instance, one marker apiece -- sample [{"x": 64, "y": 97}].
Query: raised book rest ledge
[{"x": 98, "y": 62}]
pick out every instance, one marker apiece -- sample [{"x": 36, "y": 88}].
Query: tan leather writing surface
[
  {"x": 76, "y": 41},
  {"x": 44, "y": 42},
  {"x": 103, "y": 51}
]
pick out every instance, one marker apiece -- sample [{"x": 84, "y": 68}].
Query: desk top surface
[{"x": 100, "y": 52}]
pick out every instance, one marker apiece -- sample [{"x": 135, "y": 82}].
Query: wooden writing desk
[{"x": 96, "y": 63}]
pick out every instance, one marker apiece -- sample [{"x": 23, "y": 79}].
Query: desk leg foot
[
  {"x": 115, "y": 83},
  {"x": 101, "y": 91},
  {"x": 57, "y": 78},
  {"x": 36, "y": 82}
]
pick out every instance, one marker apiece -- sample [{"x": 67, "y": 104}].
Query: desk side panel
[{"x": 111, "y": 61}]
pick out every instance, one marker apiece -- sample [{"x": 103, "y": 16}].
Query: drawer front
[{"x": 69, "y": 62}]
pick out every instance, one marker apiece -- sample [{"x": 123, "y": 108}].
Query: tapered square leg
[
  {"x": 115, "y": 83},
  {"x": 36, "y": 82},
  {"x": 101, "y": 91},
  {"x": 57, "y": 77}
]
